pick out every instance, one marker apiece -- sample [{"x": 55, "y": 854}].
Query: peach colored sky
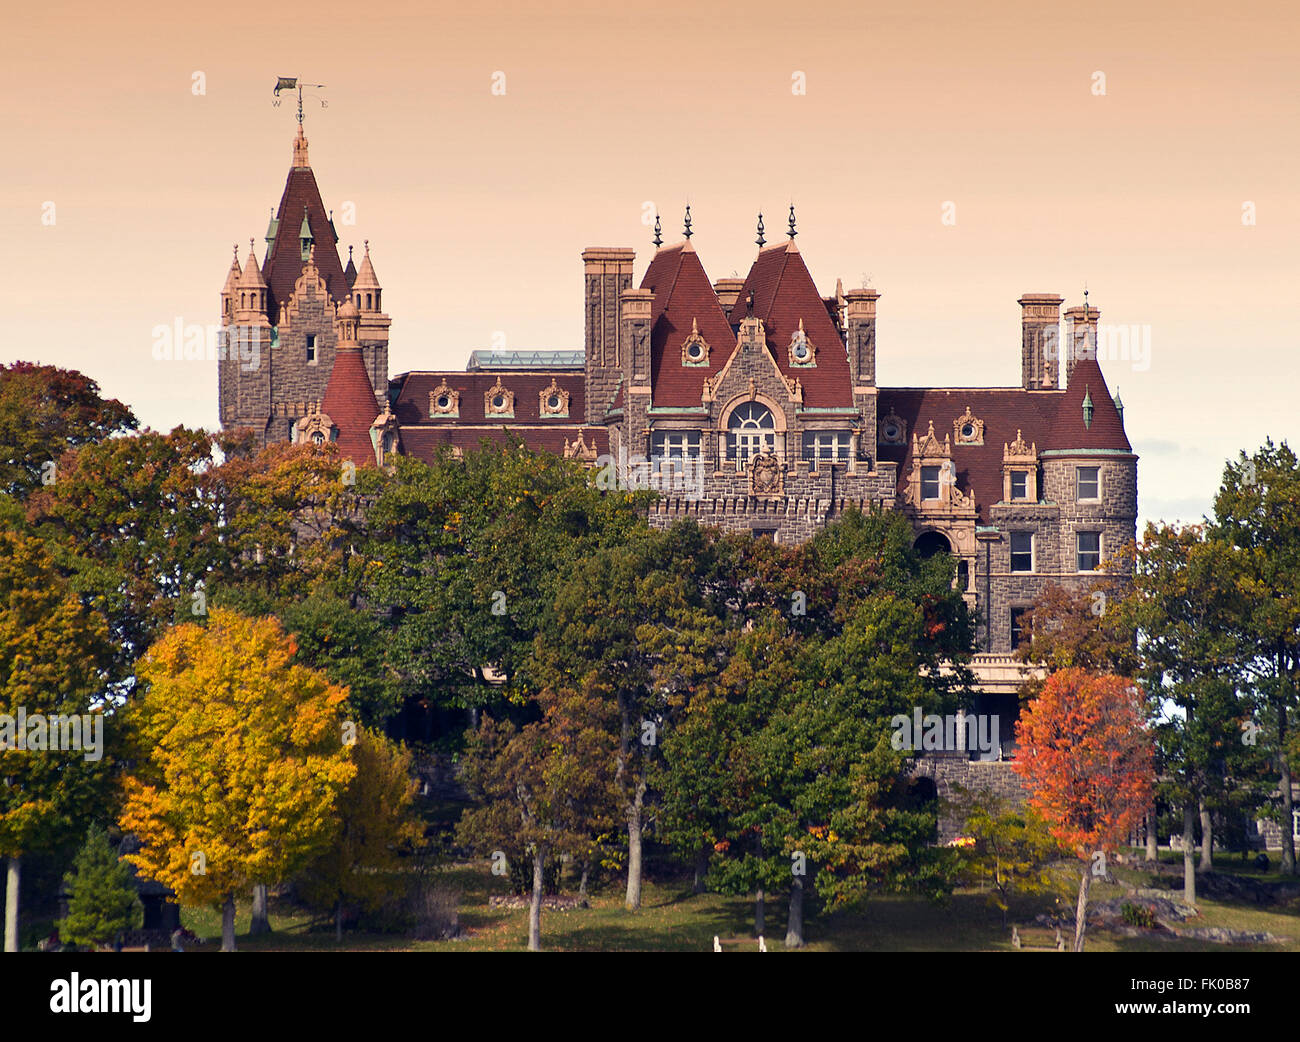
[{"x": 477, "y": 206}]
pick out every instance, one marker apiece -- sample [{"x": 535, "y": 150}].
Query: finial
[
  {"x": 250, "y": 245},
  {"x": 688, "y": 221},
  {"x": 792, "y": 231},
  {"x": 349, "y": 254},
  {"x": 235, "y": 250},
  {"x": 760, "y": 240},
  {"x": 366, "y": 244},
  {"x": 658, "y": 240}
]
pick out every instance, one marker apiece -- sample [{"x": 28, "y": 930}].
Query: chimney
[
  {"x": 1080, "y": 336},
  {"x": 728, "y": 290},
  {"x": 860, "y": 314},
  {"x": 1040, "y": 354},
  {"x": 607, "y": 272}
]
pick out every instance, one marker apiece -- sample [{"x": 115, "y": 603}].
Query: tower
[
  {"x": 289, "y": 306},
  {"x": 607, "y": 272}
]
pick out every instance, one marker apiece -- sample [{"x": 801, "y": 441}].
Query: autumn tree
[
  {"x": 240, "y": 765},
  {"x": 44, "y": 411},
  {"x": 544, "y": 788},
  {"x": 54, "y": 656},
  {"x": 1086, "y": 759},
  {"x": 374, "y": 827}
]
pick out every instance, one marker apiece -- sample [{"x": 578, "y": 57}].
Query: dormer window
[
  {"x": 930, "y": 482},
  {"x": 1019, "y": 484}
]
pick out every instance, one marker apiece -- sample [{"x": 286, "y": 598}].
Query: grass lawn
[{"x": 672, "y": 919}]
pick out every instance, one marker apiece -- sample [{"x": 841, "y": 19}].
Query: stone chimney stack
[
  {"x": 607, "y": 272},
  {"x": 1040, "y": 349},
  {"x": 728, "y": 290},
  {"x": 1080, "y": 336}
]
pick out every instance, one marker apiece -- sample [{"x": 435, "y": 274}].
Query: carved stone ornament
[
  {"x": 580, "y": 450},
  {"x": 553, "y": 400},
  {"x": 444, "y": 401},
  {"x": 802, "y": 351},
  {"x": 766, "y": 475},
  {"x": 695, "y": 349},
  {"x": 967, "y": 429},
  {"x": 892, "y": 430},
  {"x": 315, "y": 427},
  {"x": 498, "y": 400}
]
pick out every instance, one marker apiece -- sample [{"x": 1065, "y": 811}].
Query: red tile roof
[
  {"x": 284, "y": 263},
  {"x": 422, "y": 441},
  {"x": 412, "y": 406},
  {"x": 1004, "y": 411},
  {"x": 1068, "y": 430},
  {"x": 784, "y": 293},
  {"x": 684, "y": 299},
  {"x": 350, "y": 404}
]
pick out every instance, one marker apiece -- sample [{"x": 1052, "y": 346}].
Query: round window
[
  {"x": 968, "y": 430},
  {"x": 499, "y": 402},
  {"x": 695, "y": 351},
  {"x": 891, "y": 431},
  {"x": 801, "y": 350},
  {"x": 444, "y": 402},
  {"x": 553, "y": 403}
]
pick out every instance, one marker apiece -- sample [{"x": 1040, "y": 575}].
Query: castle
[{"x": 753, "y": 403}]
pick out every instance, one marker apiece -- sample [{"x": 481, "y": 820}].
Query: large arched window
[{"x": 750, "y": 431}]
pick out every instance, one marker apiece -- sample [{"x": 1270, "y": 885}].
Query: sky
[{"x": 954, "y": 155}]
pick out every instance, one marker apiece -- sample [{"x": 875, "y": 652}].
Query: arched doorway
[{"x": 931, "y": 543}]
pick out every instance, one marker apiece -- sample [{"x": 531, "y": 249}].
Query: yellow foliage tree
[{"x": 241, "y": 761}]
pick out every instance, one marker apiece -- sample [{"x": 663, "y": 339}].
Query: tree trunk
[
  {"x": 1189, "y": 864},
  {"x": 1153, "y": 840},
  {"x": 535, "y": 907},
  {"x": 794, "y": 924},
  {"x": 261, "y": 920},
  {"x": 338, "y": 920},
  {"x": 13, "y": 877},
  {"x": 1081, "y": 912},
  {"x": 1288, "y": 829},
  {"x": 1207, "y": 840},
  {"x": 760, "y": 914},
  {"x": 634, "y": 847},
  {"x": 582, "y": 886},
  {"x": 228, "y": 924},
  {"x": 701, "y": 870}
]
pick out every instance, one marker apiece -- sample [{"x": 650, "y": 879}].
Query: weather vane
[{"x": 293, "y": 83}]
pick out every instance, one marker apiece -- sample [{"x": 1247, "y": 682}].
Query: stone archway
[{"x": 930, "y": 543}]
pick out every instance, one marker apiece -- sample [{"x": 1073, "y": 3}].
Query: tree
[
  {"x": 44, "y": 411},
  {"x": 1257, "y": 513},
  {"x": 375, "y": 826},
  {"x": 545, "y": 788},
  {"x": 1087, "y": 761},
  {"x": 102, "y": 900},
  {"x": 1010, "y": 847},
  {"x": 53, "y": 659},
  {"x": 240, "y": 761}
]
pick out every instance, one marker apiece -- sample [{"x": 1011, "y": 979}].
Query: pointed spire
[
  {"x": 792, "y": 232},
  {"x": 1087, "y": 407},
  {"x": 761, "y": 241},
  {"x": 1119, "y": 404},
  {"x": 688, "y": 222},
  {"x": 252, "y": 276},
  {"x": 305, "y": 238},
  {"x": 350, "y": 272},
  {"x": 658, "y": 240}
]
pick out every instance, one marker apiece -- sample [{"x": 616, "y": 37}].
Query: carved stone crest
[{"x": 766, "y": 475}]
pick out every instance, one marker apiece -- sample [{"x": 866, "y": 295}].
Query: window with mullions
[
  {"x": 826, "y": 447},
  {"x": 674, "y": 448},
  {"x": 1022, "y": 551},
  {"x": 1089, "y": 550},
  {"x": 750, "y": 431}
]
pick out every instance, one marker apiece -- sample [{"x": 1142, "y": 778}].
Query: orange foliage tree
[{"x": 1088, "y": 763}]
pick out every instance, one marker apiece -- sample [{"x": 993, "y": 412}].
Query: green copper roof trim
[
  {"x": 664, "y": 410},
  {"x": 1088, "y": 452},
  {"x": 837, "y": 410}
]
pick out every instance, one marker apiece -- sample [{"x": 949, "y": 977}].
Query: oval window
[
  {"x": 499, "y": 402},
  {"x": 553, "y": 403},
  {"x": 968, "y": 431},
  {"x": 444, "y": 402}
]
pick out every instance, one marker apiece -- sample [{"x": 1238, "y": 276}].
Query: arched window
[{"x": 750, "y": 431}]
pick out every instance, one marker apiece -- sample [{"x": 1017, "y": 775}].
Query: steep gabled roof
[
  {"x": 1068, "y": 430},
  {"x": 350, "y": 404},
  {"x": 284, "y": 262},
  {"x": 684, "y": 301},
  {"x": 783, "y": 295}
]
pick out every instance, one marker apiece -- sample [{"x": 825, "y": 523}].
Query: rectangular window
[
  {"x": 673, "y": 448},
  {"x": 311, "y": 348},
  {"x": 1088, "y": 486},
  {"x": 826, "y": 447},
  {"x": 1295, "y": 824},
  {"x": 1019, "y": 626},
  {"x": 1019, "y": 484},
  {"x": 929, "y": 482},
  {"x": 1022, "y": 551},
  {"x": 1089, "y": 554}
]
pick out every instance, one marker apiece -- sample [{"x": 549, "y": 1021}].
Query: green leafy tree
[{"x": 102, "y": 899}]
